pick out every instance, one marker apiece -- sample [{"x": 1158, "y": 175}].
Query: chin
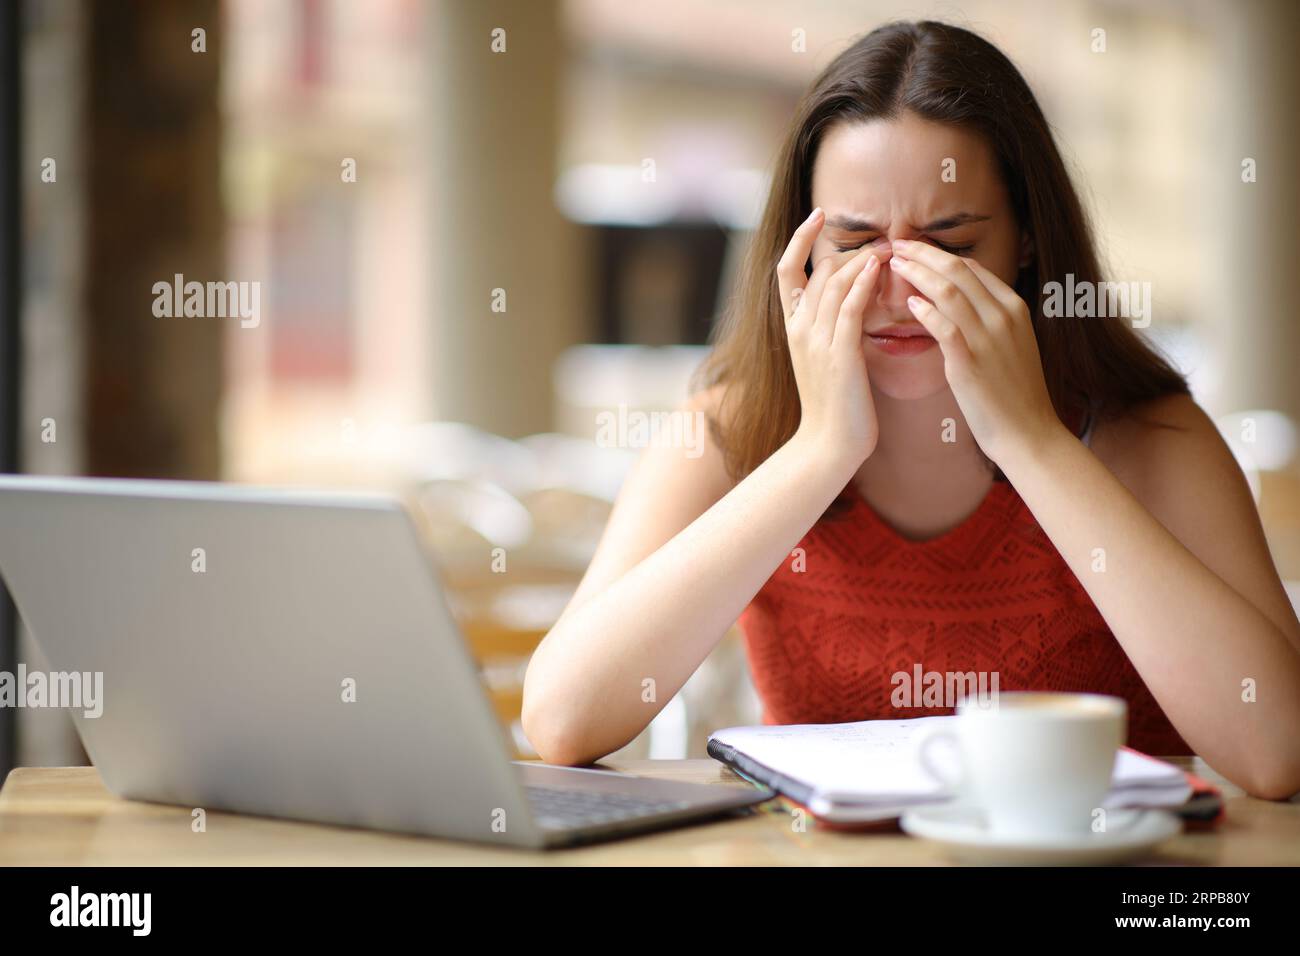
[{"x": 908, "y": 379}]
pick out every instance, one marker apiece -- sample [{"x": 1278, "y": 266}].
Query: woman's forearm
[
  {"x": 1191, "y": 637},
  {"x": 587, "y": 692}
]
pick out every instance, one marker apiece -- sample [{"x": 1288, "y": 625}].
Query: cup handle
[{"x": 925, "y": 756}]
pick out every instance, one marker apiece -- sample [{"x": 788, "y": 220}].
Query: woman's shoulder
[
  {"x": 1169, "y": 413},
  {"x": 718, "y": 402},
  {"x": 692, "y": 470},
  {"x": 708, "y": 400},
  {"x": 1160, "y": 441},
  {"x": 713, "y": 406}
]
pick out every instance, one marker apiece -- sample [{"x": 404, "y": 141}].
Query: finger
[
  {"x": 806, "y": 299},
  {"x": 796, "y": 297},
  {"x": 956, "y": 270},
  {"x": 837, "y": 287},
  {"x": 848, "y": 327},
  {"x": 946, "y": 295},
  {"x": 1006, "y": 296},
  {"x": 790, "y": 269},
  {"x": 952, "y": 342}
]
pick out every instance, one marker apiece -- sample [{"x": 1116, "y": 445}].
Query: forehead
[{"x": 891, "y": 170}]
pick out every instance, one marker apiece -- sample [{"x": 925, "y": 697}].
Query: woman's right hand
[{"x": 823, "y": 322}]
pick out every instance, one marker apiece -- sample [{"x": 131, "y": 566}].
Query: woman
[{"x": 912, "y": 468}]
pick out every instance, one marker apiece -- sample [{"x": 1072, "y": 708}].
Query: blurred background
[{"x": 477, "y": 225}]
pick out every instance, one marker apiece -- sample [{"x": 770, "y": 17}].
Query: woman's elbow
[
  {"x": 1279, "y": 786},
  {"x": 1277, "y": 778},
  {"x": 554, "y": 739},
  {"x": 557, "y": 748}
]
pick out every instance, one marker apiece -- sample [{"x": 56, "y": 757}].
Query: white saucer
[{"x": 963, "y": 833}]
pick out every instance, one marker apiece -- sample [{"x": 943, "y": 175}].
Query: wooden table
[{"x": 65, "y": 816}]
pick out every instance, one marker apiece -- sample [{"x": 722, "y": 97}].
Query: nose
[{"x": 894, "y": 289}]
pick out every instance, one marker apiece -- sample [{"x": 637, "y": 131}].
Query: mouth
[{"x": 907, "y": 338}]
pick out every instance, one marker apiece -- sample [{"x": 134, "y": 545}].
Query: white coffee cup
[{"x": 1037, "y": 764}]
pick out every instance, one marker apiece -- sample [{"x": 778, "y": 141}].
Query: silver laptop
[{"x": 291, "y": 654}]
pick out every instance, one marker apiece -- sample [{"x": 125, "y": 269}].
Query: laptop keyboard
[{"x": 556, "y": 808}]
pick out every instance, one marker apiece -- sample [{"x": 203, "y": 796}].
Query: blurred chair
[
  {"x": 480, "y": 535},
  {"x": 434, "y": 451},
  {"x": 590, "y": 379},
  {"x": 514, "y": 524},
  {"x": 576, "y": 463}
]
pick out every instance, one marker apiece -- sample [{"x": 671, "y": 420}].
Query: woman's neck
[
  {"x": 926, "y": 474},
  {"x": 921, "y": 434}
]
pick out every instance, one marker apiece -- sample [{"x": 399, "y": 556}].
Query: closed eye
[
  {"x": 851, "y": 247},
  {"x": 953, "y": 250}
]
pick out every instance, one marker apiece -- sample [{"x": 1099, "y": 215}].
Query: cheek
[
  {"x": 1003, "y": 262},
  {"x": 822, "y": 249}
]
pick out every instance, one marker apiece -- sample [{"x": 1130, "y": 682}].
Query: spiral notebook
[{"x": 867, "y": 771}]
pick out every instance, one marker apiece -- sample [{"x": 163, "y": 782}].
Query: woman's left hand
[{"x": 990, "y": 353}]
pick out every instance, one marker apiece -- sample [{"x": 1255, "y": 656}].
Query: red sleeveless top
[{"x": 993, "y": 594}]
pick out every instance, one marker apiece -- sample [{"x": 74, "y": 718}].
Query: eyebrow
[{"x": 854, "y": 224}]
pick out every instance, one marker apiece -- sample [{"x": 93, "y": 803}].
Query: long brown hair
[{"x": 949, "y": 75}]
